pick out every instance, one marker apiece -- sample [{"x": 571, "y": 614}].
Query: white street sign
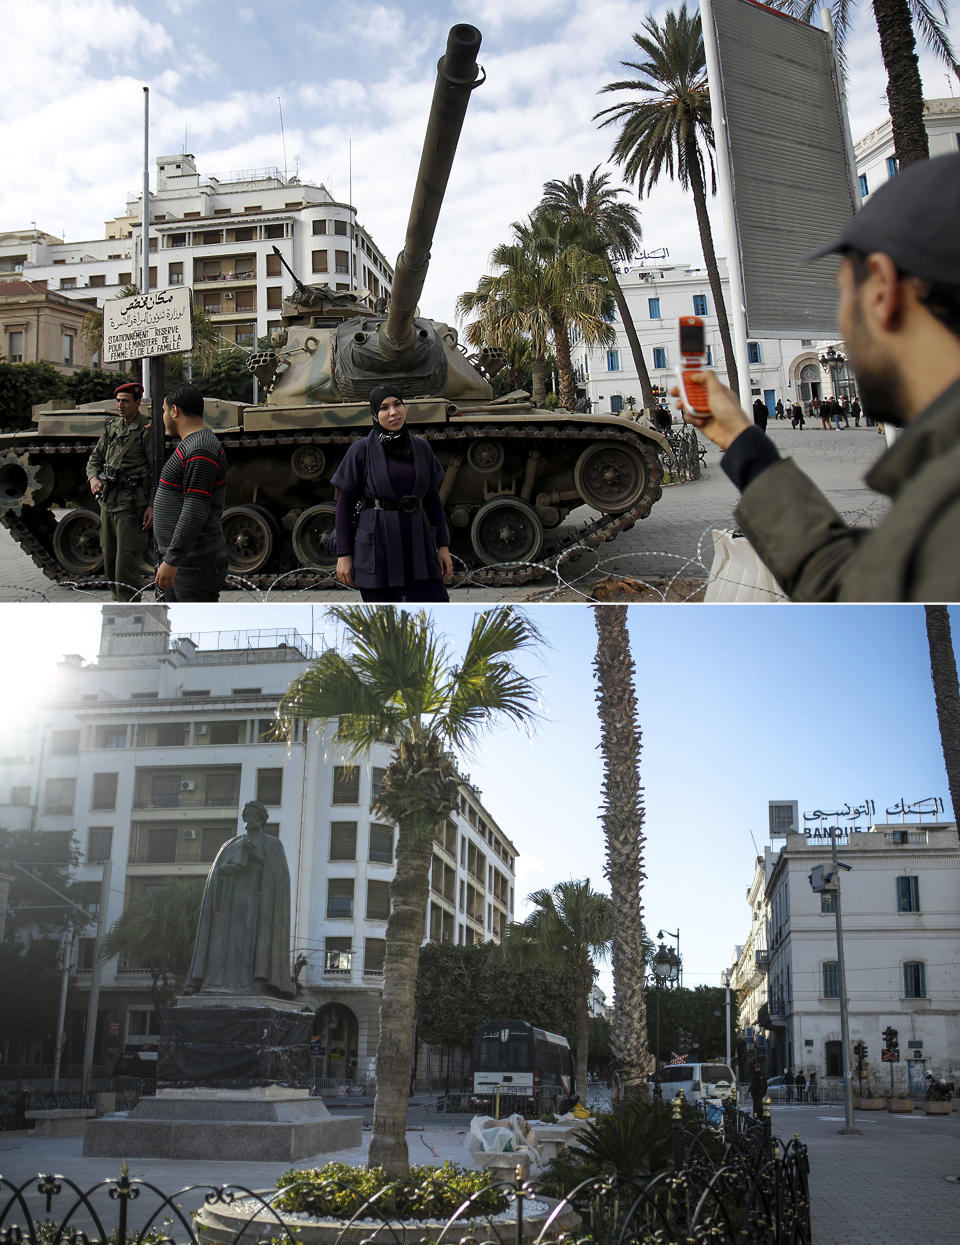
[{"x": 145, "y": 325}]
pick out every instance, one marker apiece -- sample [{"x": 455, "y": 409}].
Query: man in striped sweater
[{"x": 188, "y": 507}]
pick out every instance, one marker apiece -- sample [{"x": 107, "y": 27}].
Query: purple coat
[{"x": 391, "y": 548}]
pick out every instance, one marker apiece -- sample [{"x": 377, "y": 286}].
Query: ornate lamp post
[
  {"x": 666, "y": 972},
  {"x": 832, "y": 361}
]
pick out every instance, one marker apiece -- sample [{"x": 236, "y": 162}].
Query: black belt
[{"x": 408, "y": 504}]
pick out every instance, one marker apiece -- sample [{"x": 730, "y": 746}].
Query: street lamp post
[
  {"x": 666, "y": 971},
  {"x": 833, "y": 361},
  {"x": 675, "y": 935}
]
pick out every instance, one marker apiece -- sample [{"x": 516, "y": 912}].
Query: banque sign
[{"x": 146, "y": 325}]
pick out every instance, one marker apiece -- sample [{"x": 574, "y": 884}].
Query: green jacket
[
  {"x": 913, "y": 554},
  {"x": 128, "y": 449}
]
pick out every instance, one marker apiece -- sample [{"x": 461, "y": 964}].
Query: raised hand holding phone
[{"x": 693, "y": 358}]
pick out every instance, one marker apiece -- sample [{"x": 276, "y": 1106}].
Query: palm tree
[
  {"x": 943, "y": 669},
  {"x": 895, "y": 26},
  {"x": 548, "y": 283},
  {"x": 608, "y": 228},
  {"x": 399, "y": 682},
  {"x": 623, "y": 813},
  {"x": 569, "y": 928},
  {"x": 158, "y": 930},
  {"x": 668, "y": 130}
]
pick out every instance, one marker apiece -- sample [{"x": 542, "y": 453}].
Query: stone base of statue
[
  {"x": 234, "y": 1042},
  {"x": 269, "y": 1124}
]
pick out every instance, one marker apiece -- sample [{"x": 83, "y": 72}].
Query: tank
[{"x": 512, "y": 473}]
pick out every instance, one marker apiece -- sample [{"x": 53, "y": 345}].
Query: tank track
[{"x": 589, "y": 536}]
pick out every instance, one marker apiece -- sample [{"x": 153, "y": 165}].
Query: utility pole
[
  {"x": 849, "y": 1126},
  {"x": 93, "y": 1005}
]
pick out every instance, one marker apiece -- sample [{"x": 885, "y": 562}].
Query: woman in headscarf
[{"x": 392, "y": 536}]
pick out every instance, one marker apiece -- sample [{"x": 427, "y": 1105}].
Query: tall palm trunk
[
  {"x": 904, "y": 87},
  {"x": 409, "y": 893},
  {"x": 538, "y": 379},
  {"x": 633, "y": 340},
  {"x": 623, "y": 827},
  {"x": 561, "y": 342},
  {"x": 710, "y": 260},
  {"x": 582, "y": 985},
  {"x": 943, "y": 669}
]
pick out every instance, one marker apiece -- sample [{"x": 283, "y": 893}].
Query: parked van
[{"x": 714, "y": 1081}]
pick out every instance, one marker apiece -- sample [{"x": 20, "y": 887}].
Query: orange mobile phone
[{"x": 693, "y": 356}]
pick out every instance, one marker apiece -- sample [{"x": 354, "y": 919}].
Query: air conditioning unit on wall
[
  {"x": 187, "y": 785},
  {"x": 190, "y": 834}
]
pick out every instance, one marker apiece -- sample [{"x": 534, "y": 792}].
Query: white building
[
  {"x": 217, "y": 236},
  {"x": 876, "y": 162},
  {"x": 147, "y": 756},
  {"x": 900, "y": 907},
  {"x": 657, "y": 294}
]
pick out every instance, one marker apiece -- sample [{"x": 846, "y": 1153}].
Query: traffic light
[
  {"x": 891, "y": 1039},
  {"x": 860, "y": 1050}
]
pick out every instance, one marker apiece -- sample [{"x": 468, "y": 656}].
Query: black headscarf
[{"x": 395, "y": 444}]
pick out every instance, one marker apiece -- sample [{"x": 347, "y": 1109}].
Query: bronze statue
[{"x": 243, "y": 938}]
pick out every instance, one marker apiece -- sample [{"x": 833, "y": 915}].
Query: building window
[
  {"x": 274, "y": 267},
  {"x": 381, "y": 844},
  {"x": 654, "y": 305},
  {"x": 828, "y": 901},
  {"x": 320, "y": 261},
  {"x": 222, "y": 790},
  {"x": 831, "y": 979},
  {"x": 123, "y": 278},
  {"x": 709, "y": 356},
  {"x": 616, "y": 403},
  {"x": 104, "y": 791},
  {"x": 65, "y": 743},
  {"x": 378, "y": 901},
  {"x": 346, "y": 784},
  {"x": 86, "y": 949},
  {"x": 613, "y": 360},
  {"x": 659, "y": 356},
  {"x": 914, "y": 980},
  {"x": 340, "y": 227},
  {"x": 699, "y": 304},
  {"x": 908, "y": 894},
  {"x": 273, "y": 231},
  {"x": 99, "y": 843},
  {"x": 343, "y": 840},
  {"x": 175, "y": 273},
  {"x": 270, "y": 786},
  {"x": 376, "y": 781},
  {"x": 66, "y": 344},
  {"x": 342, "y": 264},
  {"x": 892, "y": 168},
  {"x": 337, "y": 955},
  {"x": 226, "y": 732},
  {"x": 339, "y": 897},
  {"x": 833, "y": 1059},
  {"x": 68, "y": 283},
  {"x": 319, "y": 226},
  {"x": 97, "y": 280},
  {"x": 274, "y": 296},
  {"x": 864, "y": 187},
  {"x": 373, "y": 953},
  {"x": 59, "y": 795},
  {"x": 15, "y": 346},
  {"x": 142, "y": 1022},
  {"x": 754, "y": 348}
]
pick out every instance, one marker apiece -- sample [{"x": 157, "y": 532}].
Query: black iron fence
[
  {"x": 688, "y": 455},
  {"x": 728, "y": 1181}
]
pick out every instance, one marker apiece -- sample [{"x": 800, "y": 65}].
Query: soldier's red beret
[{"x": 132, "y": 386}]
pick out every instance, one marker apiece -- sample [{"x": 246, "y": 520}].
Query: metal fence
[
  {"x": 728, "y": 1181},
  {"x": 688, "y": 456},
  {"x": 16, "y": 1101}
]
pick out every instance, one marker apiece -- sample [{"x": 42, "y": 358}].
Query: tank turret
[{"x": 335, "y": 346}]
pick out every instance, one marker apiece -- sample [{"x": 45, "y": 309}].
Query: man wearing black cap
[
  {"x": 899, "y": 315},
  {"x": 120, "y": 471}
]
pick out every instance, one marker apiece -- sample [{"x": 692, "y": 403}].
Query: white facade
[
  {"x": 900, "y": 908},
  {"x": 148, "y": 755},
  {"x": 215, "y": 235},
  {"x": 876, "y": 162},
  {"x": 657, "y": 295}
]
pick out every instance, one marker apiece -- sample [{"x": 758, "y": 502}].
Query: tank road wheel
[
  {"x": 308, "y": 462},
  {"x": 313, "y": 537},
  {"x": 76, "y": 542},
  {"x": 506, "y": 529},
  {"x": 611, "y": 477},
  {"x": 485, "y": 456},
  {"x": 251, "y": 537}
]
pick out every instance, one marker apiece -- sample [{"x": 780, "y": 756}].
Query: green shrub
[{"x": 338, "y": 1191}]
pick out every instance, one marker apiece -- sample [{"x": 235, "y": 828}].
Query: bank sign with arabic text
[{"x": 145, "y": 325}]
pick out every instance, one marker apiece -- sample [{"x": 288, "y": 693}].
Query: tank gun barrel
[
  {"x": 301, "y": 288},
  {"x": 457, "y": 73}
]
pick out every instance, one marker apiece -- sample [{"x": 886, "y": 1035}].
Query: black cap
[{"x": 914, "y": 218}]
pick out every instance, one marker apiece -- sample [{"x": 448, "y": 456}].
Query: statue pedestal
[
  {"x": 234, "y": 1042},
  {"x": 268, "y": 1124}
]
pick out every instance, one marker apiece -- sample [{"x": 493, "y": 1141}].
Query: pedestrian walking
[
  {"x": 788, "y": 1082},
  {"x": 188, "y": 507},
  {"x": 760, "y": 414},
  {"x": 812, "y": 1087},
  {"x": 797, "y": 419},
  {"x": 779, "y": 408},
  {"x": 801, "y": 1084},
  {"x": 120, "y": 470},
  {"x": 758, "y": 1089},
  {"x": 855, "y": 411},
  {"x": 391, "y": 531}
]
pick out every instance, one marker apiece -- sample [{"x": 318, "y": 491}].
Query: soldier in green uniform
[{"x": 120, "y": 471}]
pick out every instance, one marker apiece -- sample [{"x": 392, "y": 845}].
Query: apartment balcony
[{"x": 180, "y": 800}]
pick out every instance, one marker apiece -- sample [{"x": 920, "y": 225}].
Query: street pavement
[
  {"x": 887, "y": 1186},
  {"x": 674, "y": 541}
]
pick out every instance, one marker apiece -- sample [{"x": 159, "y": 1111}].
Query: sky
[
  {"x": 347, "y": 74},
  {"x": 738, "y": 705}
]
